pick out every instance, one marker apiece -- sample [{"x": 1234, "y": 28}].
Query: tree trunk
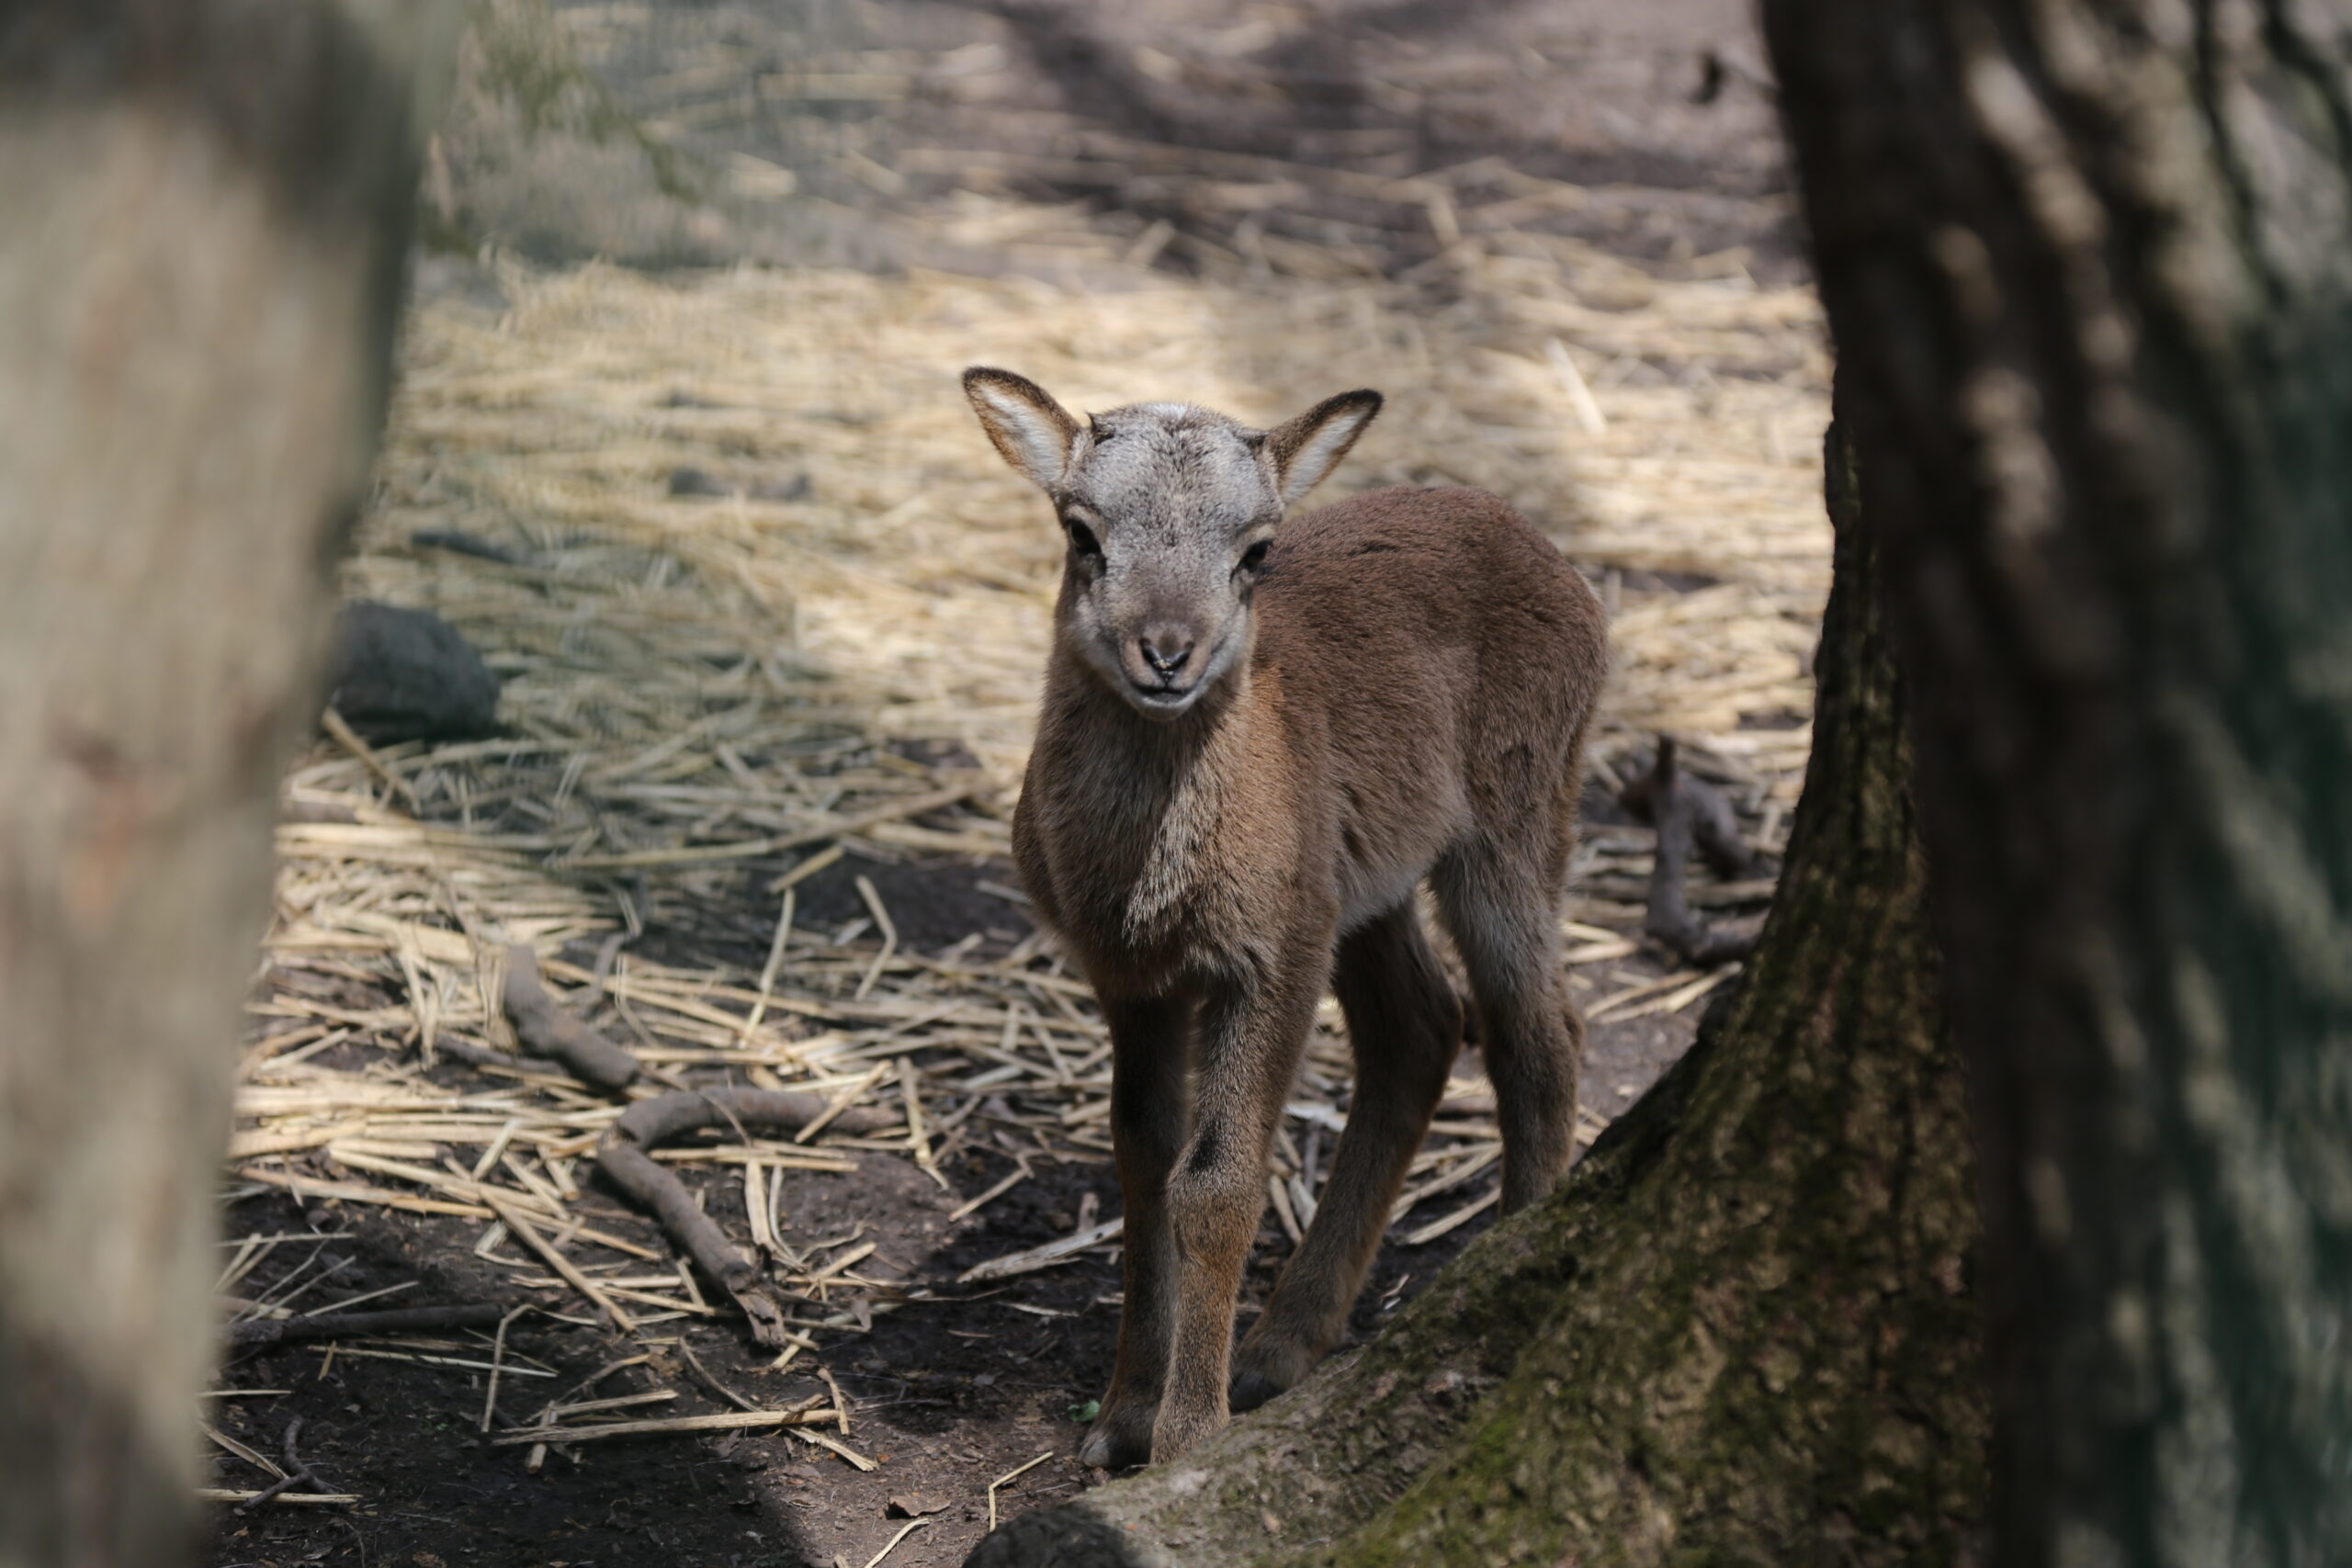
[
  {"x": 1741, "y": 1332},
  {"x": 199, "y": 268},
  {"x": 2089, "y": 266}
]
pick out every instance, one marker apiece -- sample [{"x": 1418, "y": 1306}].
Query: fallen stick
[
  {"x": 892, "y": 1545},
  {"x": 724, "y": 1421},
  {"x": 972, "y": 1204},
  {"x": 703, "y": 1376},
  {"x": 295, "y": 1499},
  {"x": 1714, "y": 827},
  {"x": 526, "y": 1233},
  {"x": 622, "y": 1155},
  {"x": 497, "y": 1366},
  {"x": 1043, "y": 1257},
  {"x": 1688, "y": 814},
  {"x": 360, "y": 1192},
  {"x": 807, "y": 1434},
  {"x": 335, "y": 1326},
  {"x": 1010, "y": 1475},
  {"x": 547, "y": 1030},
  {"x": 297, "y": 1470},
  {"x": 840, "y": 1102}
]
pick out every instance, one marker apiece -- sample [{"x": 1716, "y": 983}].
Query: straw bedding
[{"x": 707, "y": 694}]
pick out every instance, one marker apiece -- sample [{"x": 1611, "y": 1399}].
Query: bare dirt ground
[{"x": 838, "y": 645}]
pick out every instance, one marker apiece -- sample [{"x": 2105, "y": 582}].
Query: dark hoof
[
  {"x": 1109, "y": 1447},
  {"x": 1250, "y": 1390}
]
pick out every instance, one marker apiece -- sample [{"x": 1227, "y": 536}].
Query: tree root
[
  {"x": 623, "y": 1158},
  {"x": 1688, "y": 814}
]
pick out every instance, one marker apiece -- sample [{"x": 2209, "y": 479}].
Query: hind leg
[
  {"x": 1404, "y": 1026},
  {"x": 1502, "y": 905}
]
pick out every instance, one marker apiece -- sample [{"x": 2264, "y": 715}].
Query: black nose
[{"x": 1165, "y": 654}]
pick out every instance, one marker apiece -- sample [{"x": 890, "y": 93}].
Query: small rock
[
  {"x": 408, "y": 675},
  {"x": 985, "y": 1380},
  {"x": 695, "y": 481},
  {"x": 913, "y": 1505}
]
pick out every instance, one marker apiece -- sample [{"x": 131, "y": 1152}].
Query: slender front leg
[
  {"x": 1252, "y": 1036},
  {"x": 1150, "y": 1046}
]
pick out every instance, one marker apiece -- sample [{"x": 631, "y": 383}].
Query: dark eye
[
  {"x": 1082, "y": 537},
  {"x": 1255, "y": 555}
]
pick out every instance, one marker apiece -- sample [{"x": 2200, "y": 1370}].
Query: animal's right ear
[{"x": 1033, "y": 432}]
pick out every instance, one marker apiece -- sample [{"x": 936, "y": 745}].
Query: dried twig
[
  {"x": 724, "y": 1421},
  {"x": 622, "y": 1157},
  {"x": 1013, "y": 1475},
  {"x": 892, "y": 1544},
  {"x": 972, "y": 1205},
  {"x": 1043, "y": 1257},
  {"x": 528, "y": 1234},
  {"x": 497, "y": 1366},
  {"x": 548, "y": 1029},
  {"x": 297, "y": 1470},
  {"x": 703, "y": 1375}
]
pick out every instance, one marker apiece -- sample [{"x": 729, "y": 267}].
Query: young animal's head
[{"x": 1168, "y": 509}]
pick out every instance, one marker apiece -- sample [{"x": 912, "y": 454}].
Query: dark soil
[{"x": 948, "y": 1393}]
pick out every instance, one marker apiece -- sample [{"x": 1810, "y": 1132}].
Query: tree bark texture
[
  {"x": 2088, "y": 267},
  {"x": 1742, "y": 1332},
  {"x": 205, "y": 206}
]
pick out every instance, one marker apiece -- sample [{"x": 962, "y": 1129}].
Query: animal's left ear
[{"x": 1312, "y": 445}]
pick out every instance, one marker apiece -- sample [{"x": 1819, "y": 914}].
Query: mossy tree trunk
[
  {"x": 205, "y": 207},
  {"x": 1742, "y": 1332},
  {"x": 2089, "y": 268}
]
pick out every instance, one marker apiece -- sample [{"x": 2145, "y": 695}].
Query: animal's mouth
[{"x": 1162, "y": 700}]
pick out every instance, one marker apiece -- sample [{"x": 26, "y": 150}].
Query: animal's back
[{"x": 1429, "y": 623}]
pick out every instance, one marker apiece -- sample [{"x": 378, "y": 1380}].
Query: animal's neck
[
  {"x": 1153, "y": 752},
  {"x": 1139, "y": 803}
]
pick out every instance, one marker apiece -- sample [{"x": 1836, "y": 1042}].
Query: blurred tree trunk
[
  {"x": 205, "y": 206},
  {"x": 1742, "y": 1331},
  {"x": 2089, "y": 268}
]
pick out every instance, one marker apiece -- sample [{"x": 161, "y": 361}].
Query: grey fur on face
[{"x": 1169, "y": 510}]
